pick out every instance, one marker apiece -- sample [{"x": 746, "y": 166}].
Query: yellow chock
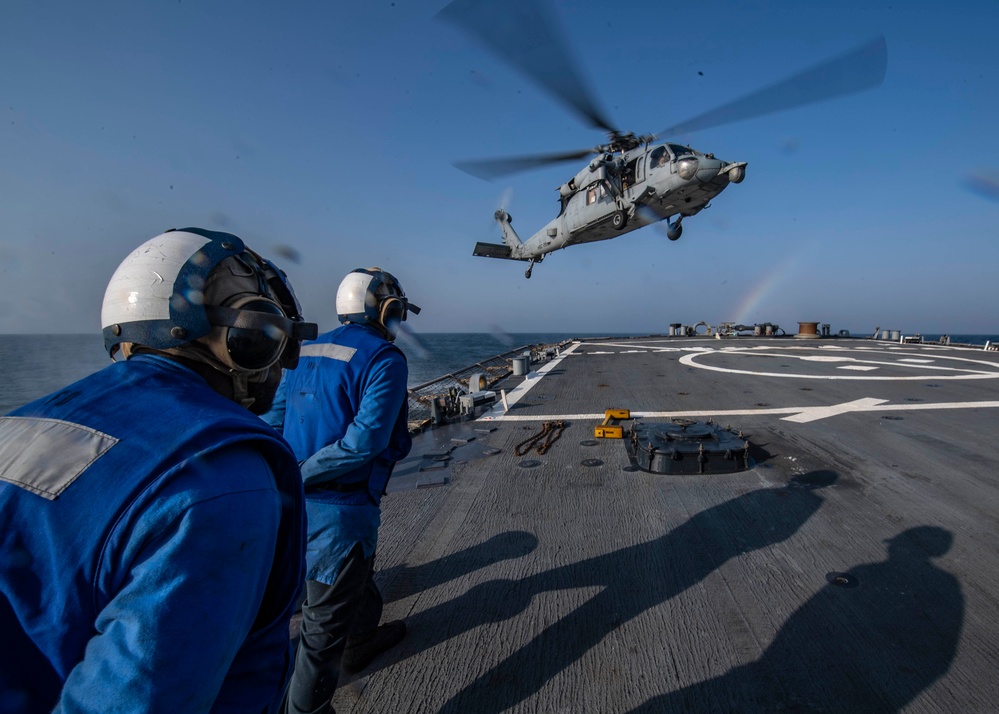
[{"x": 607, "y": 430}]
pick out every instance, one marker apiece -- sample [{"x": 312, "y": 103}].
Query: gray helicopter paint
[
  {"x": 664, "y": 192},
  {"x": 522, "y": 34}
]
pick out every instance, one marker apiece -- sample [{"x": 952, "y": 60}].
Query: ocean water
[
  {"x": 35, "y": 365},
  {"x": 31, "y": 366},
  {"x": 436, "y": 354}
]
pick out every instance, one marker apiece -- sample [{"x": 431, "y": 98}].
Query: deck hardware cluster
[
  {"x": 478, "y": 394},
  {"x": 610, "y": 429}
]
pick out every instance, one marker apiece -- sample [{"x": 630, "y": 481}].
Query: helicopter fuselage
[{"x": 618, "y": 193}]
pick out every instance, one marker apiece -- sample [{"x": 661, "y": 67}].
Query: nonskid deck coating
[{"x": 853, "y": 568}]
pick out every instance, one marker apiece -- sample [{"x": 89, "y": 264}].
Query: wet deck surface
[{"x": 578, "y": 584}]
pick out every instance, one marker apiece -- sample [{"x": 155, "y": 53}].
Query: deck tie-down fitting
[{"x": 609, "y": 429}]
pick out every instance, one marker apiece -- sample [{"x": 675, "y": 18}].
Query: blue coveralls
[
  {"x": 344, "y": 411},
  {"x": 151, "y": 553}
]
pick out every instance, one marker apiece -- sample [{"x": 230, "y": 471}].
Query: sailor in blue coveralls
[
  {"x": 152, "y": 547},
  {"x": 344, "y": 411}
]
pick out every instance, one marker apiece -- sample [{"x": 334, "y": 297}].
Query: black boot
[{"x": 361, "y": 650}]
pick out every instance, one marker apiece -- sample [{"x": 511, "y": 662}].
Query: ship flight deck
[{"x": 852, "y": 567}]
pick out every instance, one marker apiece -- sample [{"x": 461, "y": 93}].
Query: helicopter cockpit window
[
  {"x": 594, "y": 192},
  {"x": 658, "y": 158},
  {"x": 679, "y": 150}
]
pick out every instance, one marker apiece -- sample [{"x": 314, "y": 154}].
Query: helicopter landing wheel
[
  {"x": 619, "y": 220},
  {"x": 674, "y": 231},
  {"x": 527, "y": 273}
]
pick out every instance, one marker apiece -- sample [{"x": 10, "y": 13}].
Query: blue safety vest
[
  {"x": 76, "y": 469},
  {"x": 316, "y": 404},
  {"x": 323, "y": 396}
]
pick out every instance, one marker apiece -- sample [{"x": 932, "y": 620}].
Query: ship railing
[{"x": 445, "y": 389}]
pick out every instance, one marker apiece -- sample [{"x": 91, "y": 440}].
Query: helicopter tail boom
[{"x": 495, "y": 250}]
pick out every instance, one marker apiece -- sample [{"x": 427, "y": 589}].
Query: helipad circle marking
[
  {"x": 826, "y": 358},
  {"x": 691, "y": 361}
]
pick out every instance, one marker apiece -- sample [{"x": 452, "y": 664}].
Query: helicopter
[{"x": 632, "y": 181}]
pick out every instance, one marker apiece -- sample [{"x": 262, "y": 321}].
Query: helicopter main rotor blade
[
  {"x": 855, "y": 71},
  {"x": 489, "y": 169},
  {"x": 523, "y": 33}
]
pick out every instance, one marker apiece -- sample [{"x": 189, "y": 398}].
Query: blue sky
[{"x": 330, "y": 128}]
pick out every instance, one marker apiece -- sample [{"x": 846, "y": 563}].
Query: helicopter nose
[{"x": 708, "y": 169}]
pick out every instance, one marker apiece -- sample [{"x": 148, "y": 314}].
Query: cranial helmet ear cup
[{"x": 392, "y": 310}]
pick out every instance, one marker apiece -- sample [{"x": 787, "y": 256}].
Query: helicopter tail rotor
[
  {"x": 505, "y": 199},
  {"x": 510, "y": 248}
]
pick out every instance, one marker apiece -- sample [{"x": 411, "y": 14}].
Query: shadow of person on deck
[
  {"x": 631, "y": 581},
  {"x": 401, "y": 581},
  {"x": 872, "y": 647}
]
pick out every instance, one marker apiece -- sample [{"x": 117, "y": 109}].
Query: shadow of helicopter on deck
[{"x": 872, "y": 647}]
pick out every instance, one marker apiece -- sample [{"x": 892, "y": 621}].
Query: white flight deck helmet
[
  {"x": 372, "y": 296},
  {"x": 205, "y": 296}
]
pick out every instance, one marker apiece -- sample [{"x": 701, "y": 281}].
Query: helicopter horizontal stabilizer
[{"x": 495, "y": 250}]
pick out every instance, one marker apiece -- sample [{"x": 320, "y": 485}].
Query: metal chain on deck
[{"x": 550, "y": 432}]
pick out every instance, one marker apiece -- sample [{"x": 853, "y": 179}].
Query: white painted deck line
[
  {"x": 796, "y": 414},
  {"x": 690, "y": 361},
  {"x": 518, "y": 392}
]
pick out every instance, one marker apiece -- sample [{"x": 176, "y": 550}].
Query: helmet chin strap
[{"x": 240, "y": 391}]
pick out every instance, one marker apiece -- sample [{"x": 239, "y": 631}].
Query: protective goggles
[{"x": 256, "y": 333}]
